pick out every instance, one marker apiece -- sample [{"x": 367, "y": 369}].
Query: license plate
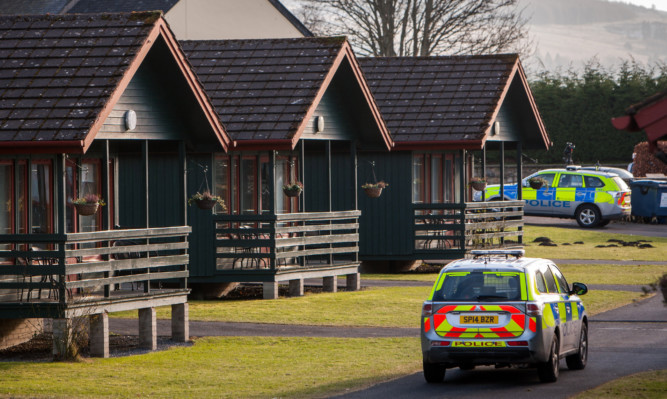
[
  {"x": 479, "y": 319},
  {"x": 478, "y": 344}
]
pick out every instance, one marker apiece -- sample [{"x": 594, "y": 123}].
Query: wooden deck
[
  {"x": 449, "y": 231},
  {"x": 284, "y": 247},
  {"x": 63, "y": 276}
]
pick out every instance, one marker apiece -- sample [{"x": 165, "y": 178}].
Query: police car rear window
[
  {"x": 593, "y": 182},
  {"x": 479, "y": 286}
]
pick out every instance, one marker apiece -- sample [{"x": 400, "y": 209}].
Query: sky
[{"x": 659, "y": 4}]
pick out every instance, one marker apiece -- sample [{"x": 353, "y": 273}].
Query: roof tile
[
  {"x": 262, "y": 89},
  {"x": 438, "y": 98},
  {"x": 57, "y": 71}
]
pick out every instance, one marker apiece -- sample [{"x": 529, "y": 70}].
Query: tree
[{"x": 421, "y": 27}]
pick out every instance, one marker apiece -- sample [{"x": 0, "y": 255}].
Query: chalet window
[
  {"x": 6, "y": 198},
  {"x": 42, "y": 197},
  {"x": 235, "y": 181},
  {"x": 434, "y": 178},
  {"x": 287, "y": 171},
  {"x": 83, "y": 177}
]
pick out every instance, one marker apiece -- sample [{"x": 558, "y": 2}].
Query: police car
[
  {"x": 592, "y": 197},
  {"x": 500, "y": 308}
]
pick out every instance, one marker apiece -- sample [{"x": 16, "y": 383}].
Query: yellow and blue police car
[
  {"x": 591, "y": 197},
  {"x": 501, "y": 308}
]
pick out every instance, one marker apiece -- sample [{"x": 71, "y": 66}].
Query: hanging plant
[
  {"x": 88, "y": 204},
  {"x": 206, "y": 200},
  {"x": 293, "y": 189},
  {"x": 536, "y": 183},
  {"x": 374, "y": 190},
  {"x": 478, "y": 183}
]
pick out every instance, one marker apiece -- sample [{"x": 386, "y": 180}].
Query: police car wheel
[
  {"x": 434, "y": 373},
  {"x": 548, "y": 371},
  {"x": 578, "y": 360},
  {"x": 588, "y": 216}
]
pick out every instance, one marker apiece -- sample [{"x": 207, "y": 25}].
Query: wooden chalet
[
  {"x": 440, "y": 110},
  {"x": 296, "y": 110},
  {"x": 97, "y": 104}
]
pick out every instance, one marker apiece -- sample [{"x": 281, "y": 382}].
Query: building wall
[
  {"x": 17, "y": 331},
  {"x": 386, "y": 222},
  {"x": 228, "y": 19},
  {"x": 156, "y": 118}
]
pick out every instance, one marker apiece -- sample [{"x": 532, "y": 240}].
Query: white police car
[
  {"x": 503, "y": 309},
  {"x": 592, "y": 197}
]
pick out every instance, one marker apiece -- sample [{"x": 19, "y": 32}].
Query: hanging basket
[
  {"x": 206, "y": 203},
  {"x": 478, "y": 185},
  {"x": 87, "y": 209},
  {"x": 292, "y": 192},
  {"x": 373, "y": 192}
]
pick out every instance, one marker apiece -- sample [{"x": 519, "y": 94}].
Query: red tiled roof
[{"x": 439, "y": 99}]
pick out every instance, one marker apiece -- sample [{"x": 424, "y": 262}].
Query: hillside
[{"x": 570, "y": 32}]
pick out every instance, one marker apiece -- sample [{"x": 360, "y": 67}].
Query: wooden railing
[
  {"x": 91, "y": 266},
  {"x": 453, "y": 229},
  {"x": 286, "y": 241}
]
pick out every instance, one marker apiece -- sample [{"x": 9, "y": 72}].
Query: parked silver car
[{"x": 500, "y": 308}]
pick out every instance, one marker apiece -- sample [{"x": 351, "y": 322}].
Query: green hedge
[{"x": 578, "y": 107}]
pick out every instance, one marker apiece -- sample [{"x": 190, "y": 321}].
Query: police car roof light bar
[{"x": 517, "y": 253}]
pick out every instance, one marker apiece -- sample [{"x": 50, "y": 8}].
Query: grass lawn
[
  {"x": 222, "y": 368},
  {"x": 588, "y": 250},
  {"x": 648, "y": 385},
  {"x": 613, "y": 274},
  {"x": 585, "y": 273},
  {"x": 391, "y": 307}
]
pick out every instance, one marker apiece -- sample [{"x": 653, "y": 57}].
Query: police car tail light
[
  {"x": 533, "y": 309},
  {"x": 427, "y": 310},
  {"x": 440, "y": 343},
  {"x": 517, "y": 343},
  {"x": 621, "y": 200}
]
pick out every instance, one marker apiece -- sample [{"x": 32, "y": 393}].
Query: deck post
[
  {"x": 99, "y": 335},
  {"x": 502, "y": 170},
  {"x": 270, "y": 290},
  {"x": 147, "y": 329},
  {"x": 353, "y": 282},
  {"x": 484, "y": 170},
  {"x": 180, "y": 322},
  {"x": 330, "y": 284},
  {"x": 296, "y": 287}
]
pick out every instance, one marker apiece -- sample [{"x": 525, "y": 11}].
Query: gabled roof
[
  {"x": 61, "y": 75},
  {"x": 265, "y": 90},
  {"x": 446, "y": 101},
  {"x": 14, "y": 7},
  {"x": 290, "y": 17},
  {"x": 116, "y": 6},
  {"x": 32, "y": 6}
]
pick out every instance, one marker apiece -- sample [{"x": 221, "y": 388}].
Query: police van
[{"x": 593, "y": 198}]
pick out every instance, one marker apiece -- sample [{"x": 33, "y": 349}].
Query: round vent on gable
[{"x": 130, "y": 119}]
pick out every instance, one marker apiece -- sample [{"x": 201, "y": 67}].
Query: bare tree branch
[{"x": 423, "y": 27}]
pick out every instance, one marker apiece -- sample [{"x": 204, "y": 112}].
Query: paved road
[
  {"x": 623, "y": 341},
  {"x": 615, "y": 227}
]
